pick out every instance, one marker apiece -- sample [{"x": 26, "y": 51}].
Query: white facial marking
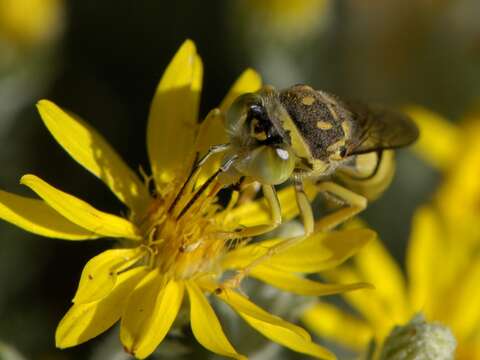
[{"x": 282, "y": 154}]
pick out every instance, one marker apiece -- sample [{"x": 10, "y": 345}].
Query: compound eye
[
  {"x": 342, "y": 151},
  {"x": 239, "y": 113}
]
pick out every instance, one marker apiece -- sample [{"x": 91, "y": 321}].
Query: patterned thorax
[{"x": 319, "y": 117}]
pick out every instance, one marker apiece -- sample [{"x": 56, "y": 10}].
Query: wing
[{"x": 376, "y": 128}]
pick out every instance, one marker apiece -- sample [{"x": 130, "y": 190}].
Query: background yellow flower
[
  {"x": 454, "y": 149},
  {"x": 442, "y": 261},
  {"x": 30, "y": 31},
  {"x": 441, "y": 284},
  {"x": 30, "y": 22}
]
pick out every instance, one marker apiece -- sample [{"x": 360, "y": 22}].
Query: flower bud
[{"x": 419, "y": 340}]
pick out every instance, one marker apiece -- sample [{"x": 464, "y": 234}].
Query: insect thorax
[{"x": 321, "y": 120}]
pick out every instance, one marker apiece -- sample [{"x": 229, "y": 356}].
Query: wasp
[{"x": 302, "y": 134}]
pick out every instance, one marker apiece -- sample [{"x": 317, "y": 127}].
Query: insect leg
[
  {"x": 304, "y": 206},
  {"x": 248, "y": 191},
  {"x": 196, "y": 167},
  {"x": 271, "y": 196},
  {"x": 308, "y": 221},
  {"x": 355, "y": 204},
  {"x": 215, "y": 149}
]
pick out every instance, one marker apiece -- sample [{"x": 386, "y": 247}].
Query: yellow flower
[
  {"x": 298, "y": 16},
  {"x": 30, "y": 22},
  {"x": 454, "y": 150},
  {"x": 442, "y": 284},
  {"x": 443, "y": 258},
  {"x": 173, "y": 241},
  {"x": 283, "y": 21}
]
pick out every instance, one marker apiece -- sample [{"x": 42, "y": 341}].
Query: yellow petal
[
  {"x": 248, "y": 81},
  {"x": 258, "y": 212},
  {"x": 439, "y": 141},
  {"x": 205, "y": 324},
  {"x": 79, "y": 212},
  {"x": 289, "y": 339},
  {"x": 329, "y": 322},
  {"x": 211, "y": 132},
  {"x": 323, "y": 251},
  {"x": 299, "y": 285},
  {"x": 424, "y": 258},
  {"x": 85, "y": 321},
  {"x": 93, "y": 152},
  {"x": 465, "y": 313},
  {"x": 468, "y": 350},
  {"x": 244, "y": 306},
  {"x": 37, "y": 217},
  {"x": 318, "y": 252},
  {"x": 274, "y": 328},
  {"x": 138, "y": 312},
  {"x": 389, "y": 282},
  {"x": 367, "y": 302},
  {"x": 152, "y": 307},
  {"x": 100, "y": 274},
  {"x": 172, "y": 121},
  {"x": 460, "y": 190}
]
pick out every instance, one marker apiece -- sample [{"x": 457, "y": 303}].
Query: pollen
[
  {"x": 183, "y": 244},
  {"x": 308, "y": 100}
]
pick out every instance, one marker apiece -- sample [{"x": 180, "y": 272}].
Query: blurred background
[{"x": 103, "y": 59}]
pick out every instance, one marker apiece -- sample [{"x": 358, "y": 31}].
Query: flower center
[{"x": 181, "y": 233}]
